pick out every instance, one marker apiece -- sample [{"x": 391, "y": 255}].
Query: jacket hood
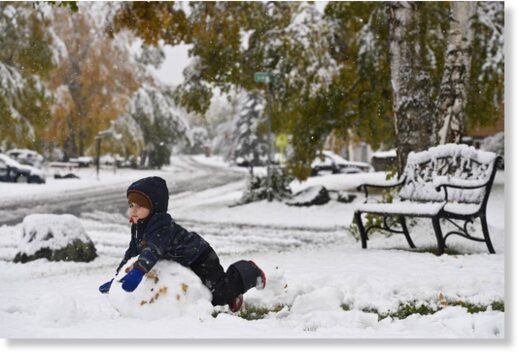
[{"x": 155, "y": 189}]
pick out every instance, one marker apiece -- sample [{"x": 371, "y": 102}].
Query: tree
[
  {"x": 94, "y": 79},
  {"x": 198, "y": 140},
  {"x": 26, "y": 59},
  {"x": 415, "y": 128},
  {"x": 454, "y": 85},
  {"x": 249, "y": 142},
  {"x": 418, "y": 33},
  {"x": 154, "y": 123},
  {"x": 333, "y": 73},
  {"x": 231, "y": 40}
]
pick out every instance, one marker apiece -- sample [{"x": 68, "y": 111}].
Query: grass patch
[
  {"x": 253, "y": 313},
  {"x": 249, "y": 312},
  {"x": 406, "y": 310}
]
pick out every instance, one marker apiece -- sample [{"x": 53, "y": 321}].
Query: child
[{"x": 155, "y": 236}]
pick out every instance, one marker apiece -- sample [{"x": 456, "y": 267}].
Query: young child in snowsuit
[{"x": 155, "y": 236}]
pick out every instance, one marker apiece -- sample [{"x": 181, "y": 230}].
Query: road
[{"x": 112, "y": 199}]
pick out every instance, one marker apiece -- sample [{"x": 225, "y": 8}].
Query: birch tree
[
  {"x": 452, "y": 98},
  {"x": 412, "y": 97}
]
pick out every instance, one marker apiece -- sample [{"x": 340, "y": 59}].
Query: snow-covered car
[
  {"x": 82, "y": 162},
  {"x": 26, "y": 156},
  {"x": 332, "y": 163},
  {"x": 110, "y": 160},
  {"x": 13, "y": 171}
]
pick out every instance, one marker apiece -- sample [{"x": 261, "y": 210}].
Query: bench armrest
[
  {"x": 455, "y": 183},
  {"x": 387, "y": 185},
  {"x": 458, "y": 183}
]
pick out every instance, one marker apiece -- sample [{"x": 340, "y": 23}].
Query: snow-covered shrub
[
  {"x": 168, "y": 290},
  {"x": 198, "y": 141},
  {"x": 495, "y": 144},
  {"x": 256, "y": 188},
  {"x": 314, "y": 195},
  {"x": 56, "y": 238}
]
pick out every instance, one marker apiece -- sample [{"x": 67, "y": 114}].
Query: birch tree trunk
[
  {"x": 412, "y": 97},
  {"x": 452, "y": 98}
]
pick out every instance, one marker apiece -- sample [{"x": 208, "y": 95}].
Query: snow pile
[
  {"x": 495, "y": 143},
  {"x": 169, "y": 290},
  {"x": 55, "y": 237},
  {"x": 313, "y": 195}
]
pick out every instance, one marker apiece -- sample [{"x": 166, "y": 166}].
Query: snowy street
[{"x": 320, "y": 283}]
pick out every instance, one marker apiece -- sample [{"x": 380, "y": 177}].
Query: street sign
[
  {"x": 281, "y": 141},
  {"x": 261, "y": 77}
]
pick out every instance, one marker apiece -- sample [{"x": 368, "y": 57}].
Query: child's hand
[{"x": 132, "y": 280}]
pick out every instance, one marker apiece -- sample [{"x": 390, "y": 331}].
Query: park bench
[{"x": 449, "y": 182}]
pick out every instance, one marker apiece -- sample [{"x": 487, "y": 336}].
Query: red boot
[
  {"x": 262, "y": 279},
  {"x": 236, "y": 303}
]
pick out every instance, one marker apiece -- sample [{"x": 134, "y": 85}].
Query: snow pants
[{"x": 225, "y": 286}]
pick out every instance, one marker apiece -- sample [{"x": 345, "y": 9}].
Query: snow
[
  {"x": 169, "y": 291},
  {"x": 321, "y": 281},
  {"x": 385, "y": 154},
  {"x": 36, "y": 229},
  {"x": 108, "y": 178},
  {"x": 405, "y": 207},
  {"x": 426, "y": 170}
]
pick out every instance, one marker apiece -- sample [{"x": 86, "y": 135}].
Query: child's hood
[{"x": 155, "y": 189}]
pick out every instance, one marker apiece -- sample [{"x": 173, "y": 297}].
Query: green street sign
[{"x": 261, "y": 77}]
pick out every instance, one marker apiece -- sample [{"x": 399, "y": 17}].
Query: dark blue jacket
[{"x": 158, "y": 236}]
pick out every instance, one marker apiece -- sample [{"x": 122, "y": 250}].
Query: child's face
[{"x": 136, "y": 212}]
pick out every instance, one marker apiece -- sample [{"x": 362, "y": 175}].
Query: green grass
[
  {"x": 249, "y": 312},
  {"x": 255, "y": 313},
  {"x": 408, "y": 309}
]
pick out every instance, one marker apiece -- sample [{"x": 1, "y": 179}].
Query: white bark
[
  {"x": 453, "y": 91},
  {"x": 412, "y": 102}
]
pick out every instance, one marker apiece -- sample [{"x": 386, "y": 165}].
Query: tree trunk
[
  {"x": 69, "y": 146},
  {"x": 412, "y": 98},
  {"x": 452, "y": 98}
]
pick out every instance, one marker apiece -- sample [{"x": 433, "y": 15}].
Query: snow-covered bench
[{"x": 450, "y": 182}]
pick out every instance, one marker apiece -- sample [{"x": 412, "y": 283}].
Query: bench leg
[
  {"x": 362, "y": 231},
  {"x": 406, "y": 232},
  {"x": 439, "y": 235},
  {"x": 484, "y": 226}
]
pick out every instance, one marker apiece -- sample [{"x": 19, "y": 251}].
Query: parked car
[
  {"x": 13, "y": 171},
  {"x": 332, "y": 163},
  {"x": 26, "y": 156},
  {"x": 82, "y": 162}
]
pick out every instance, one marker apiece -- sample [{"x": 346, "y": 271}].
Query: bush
[{"x": 257, "y": 190}]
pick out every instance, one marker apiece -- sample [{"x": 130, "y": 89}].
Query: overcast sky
[{"x": 176, "y": 59}]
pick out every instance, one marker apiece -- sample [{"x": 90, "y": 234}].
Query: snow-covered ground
[{"x": 321, "y": 284}]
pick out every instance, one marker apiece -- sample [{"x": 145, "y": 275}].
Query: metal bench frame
[{"x": 461, "y": 231}]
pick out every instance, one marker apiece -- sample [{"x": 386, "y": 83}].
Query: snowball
[{"x": 168, "y": 290}]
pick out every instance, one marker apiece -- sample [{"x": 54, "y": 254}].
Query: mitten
[
  {"x": 104, "y": 288},
  {"x": 132, "y": 280}
]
